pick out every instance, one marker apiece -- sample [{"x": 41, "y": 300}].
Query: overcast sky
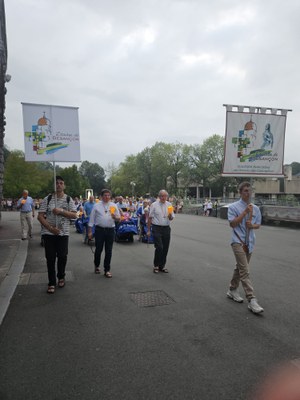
[{"x": 143, "y": 71}]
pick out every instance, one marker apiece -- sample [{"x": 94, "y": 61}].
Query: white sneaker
[
  {"x": 255, "y": 307},
  {"x": 234, "y": 295}
]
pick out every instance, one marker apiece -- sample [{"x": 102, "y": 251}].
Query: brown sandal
[
  {"x": 108, "y": 274},
  {"x": 97, "y": 270},
  {"x": 51, "y": 289},
  {"x": 61, "y": 283},
  {"x": 156, "y": 270}
]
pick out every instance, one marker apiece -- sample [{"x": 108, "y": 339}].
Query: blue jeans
[{"x": 104, "y": 237}]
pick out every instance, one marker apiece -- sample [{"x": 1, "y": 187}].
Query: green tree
[
  {"x": 160, "y": 167},
  {"x": 126, "y": 173},
  {"x": 144, "y": 171},
  {"x": 177, "y": 158},
  {"x": 74, "y": 181},
  {"x": 154, "y": 168},
  {"x": 20, "y": 175},
  {"x": 206, "y": 162},
  {"x": 94, "y": 175},
  {"x": 295, "y": 168}
]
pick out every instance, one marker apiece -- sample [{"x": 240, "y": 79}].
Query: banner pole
[{"x": 55, "y": 195}]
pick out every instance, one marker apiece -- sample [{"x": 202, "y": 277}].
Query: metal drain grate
[{"x": 151, "y": 298}]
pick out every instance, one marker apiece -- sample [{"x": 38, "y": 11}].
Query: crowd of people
[
  {"x": 9, "y": 204},
  {"x": 102, "y": 216}
]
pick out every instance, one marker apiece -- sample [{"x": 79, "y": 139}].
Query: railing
[{"x": 258, "y": 201}]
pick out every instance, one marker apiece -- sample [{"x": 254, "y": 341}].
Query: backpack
[
  {"x": 48, "y": 201},
  {"x": 50, "y": 197}
]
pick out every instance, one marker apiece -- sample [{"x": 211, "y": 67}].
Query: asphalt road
[{"x": 141, "y": 335}]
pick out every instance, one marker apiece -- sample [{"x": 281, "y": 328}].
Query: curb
[{"x": 10, "y": 282}]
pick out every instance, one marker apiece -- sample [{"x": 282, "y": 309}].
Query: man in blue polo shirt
[
  {"x": 87, "y": 209},
  {"x": 26, "y": 206},
  {"x": 243, "y": 217}
]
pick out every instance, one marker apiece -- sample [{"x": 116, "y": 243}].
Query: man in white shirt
[
  {"x": 103, "y": 216},
  {"x": 160, "y": 215}
]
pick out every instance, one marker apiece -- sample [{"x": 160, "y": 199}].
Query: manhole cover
[{"x": 151, "y": 298}]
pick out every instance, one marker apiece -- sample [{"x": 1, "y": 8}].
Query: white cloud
[
  {"x": 143, "y": 71},
  {"x": 215, "y": 62},
  {"x": 202, "y": 59},
  {"x": 140, "y": 37},
  {"x": 232, "y": 17}
]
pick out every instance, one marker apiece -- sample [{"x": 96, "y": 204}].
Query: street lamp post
[
  {"x": 132, "y": 187},
  {"x": 88, "y": 193}
]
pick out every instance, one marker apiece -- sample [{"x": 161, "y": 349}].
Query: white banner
[
  {"x": 51, "y": 133},
  {"x": 254, "y": 144}
]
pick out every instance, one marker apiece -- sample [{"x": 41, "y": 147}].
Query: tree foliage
[
  {"x": 37, "y": 178},
  {"x": 174, "y": 167},
  {"x": 94, "y": 176},
  {"x": 20, "y": 175},
  {"x": 295, "y": 168},
  {"x": 75, "y": 183}
]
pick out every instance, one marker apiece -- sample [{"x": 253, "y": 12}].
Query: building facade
[{"x": 3, "y": 79}]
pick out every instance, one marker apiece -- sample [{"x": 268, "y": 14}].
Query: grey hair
[
  {"x": 163, "y": 191},
  {"x": 25, "y": 191}
]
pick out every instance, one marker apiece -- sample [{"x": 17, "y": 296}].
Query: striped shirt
[{"x": 61, "y": 222}]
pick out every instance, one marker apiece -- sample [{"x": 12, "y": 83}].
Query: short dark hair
[
  {"x": 59, "y": 178},
  {"x": 243, "y": 185},
  {"x": 103, "y": 191}
]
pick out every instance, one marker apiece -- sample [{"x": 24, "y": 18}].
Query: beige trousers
[
  {"x": 241, "y": 271},
  {"x": 26, "y": 219}
]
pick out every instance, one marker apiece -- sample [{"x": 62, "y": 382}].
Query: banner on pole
[
  {"x": 51, "y": 133},
  {"x": 254, "y": 142}
]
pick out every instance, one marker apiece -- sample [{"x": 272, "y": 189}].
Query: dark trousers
[
  {"x": 85, "y": 232},
  {"x": 56, "y": 247},
  {"x": 104, "y": 236},
  {"x": 161, "y": 237}
]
